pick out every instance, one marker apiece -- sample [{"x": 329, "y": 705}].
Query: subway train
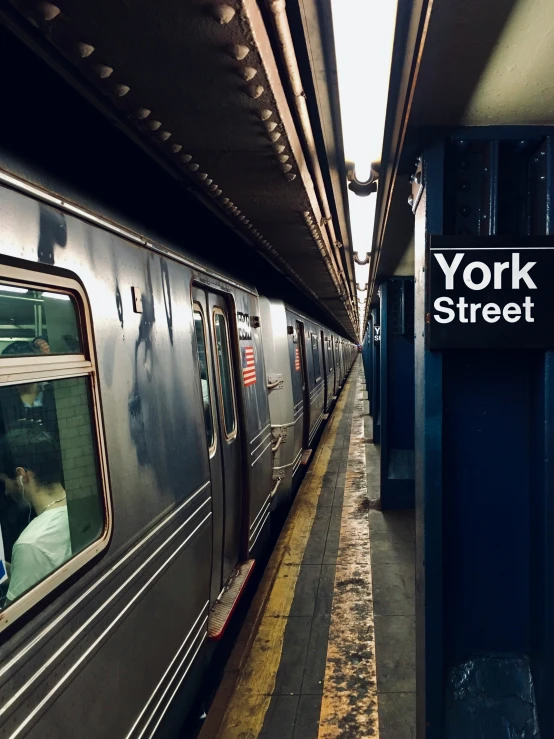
[{"x": 163, "y": 416}]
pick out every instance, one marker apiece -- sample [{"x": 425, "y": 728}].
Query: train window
[
  {"x": 37, "y": 322},
  {"x": 315, "y": 353},
  {"x": 204, "y": 378},
  {"x": 225, "y": 373},
  {"x": 54, "y": 510}
]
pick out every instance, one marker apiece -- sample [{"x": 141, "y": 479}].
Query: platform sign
[
  {"x": 376, "y": 334},
  {"x": 491, "y": 292}
]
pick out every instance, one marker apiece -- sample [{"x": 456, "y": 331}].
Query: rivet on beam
[
  {"x": 283, "y": 158},
  {"x": 278, "y": 148},
  {"x": 202, "y": 175},
  {"x": 223, "y": 13},
  {"x": 275, "y": 136},
  {"x": 290, "y": 177},
  {"x": 142, "y": 113},
  {"x": 185, "y": 158},
  {"x": 84, "y": 50},
  {"x": 213, "y": 188},
  {"x": 224, "y": 201},
  {"x": 103, "y": 71},
  {"x": 194, "y": 167},
  {"x": 49, "y": 11},
  {"x": 121, "y": 90},
  {"x": 248, "y": 73},
  {"x": 270, "y": 126},
  {"x": 153, "y": 125},
  {"x": 217, "y": 193},
  {"x": 239, "y": 52},
  {"x": 164, "y": 135},
  {"x": 255, "y": 91},
  {"x": 176, "y": 148},
  {"x": 208, "y": 182},
  {"x": 265, "y": 114},
  {"x": 287, "y": 167}
]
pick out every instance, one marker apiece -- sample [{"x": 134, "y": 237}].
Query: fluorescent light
[
  {"x": 363, "y": 34},
  {"x": 10, "y": 289},
  {"x": 56, "y": 296}
]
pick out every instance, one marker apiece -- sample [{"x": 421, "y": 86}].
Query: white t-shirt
[{"x": 41, "y": 548}]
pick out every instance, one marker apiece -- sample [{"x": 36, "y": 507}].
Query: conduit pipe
[{"x": 278, "y": 12}]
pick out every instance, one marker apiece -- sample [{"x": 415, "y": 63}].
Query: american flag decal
[
  {"x": 297, "y": 360},
  {"x": 248, "y": 366}
]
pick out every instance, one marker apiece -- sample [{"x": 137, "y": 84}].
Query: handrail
[
  {"x": 279, "y": 481},
  {"x": 278, "y": 444},
  {"x": 273, "y": 385}
]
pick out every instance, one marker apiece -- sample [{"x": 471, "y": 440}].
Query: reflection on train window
[
  {"x": 315, "y": 352},
  {"x": 225, "y": 376},
  {"x": 204, "y": 379},
  {"x": 37, "y": 322},
  {"x": 51, "y": 504}
]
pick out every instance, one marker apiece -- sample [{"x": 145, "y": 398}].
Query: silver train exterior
[{"x": 115, "y": 642}]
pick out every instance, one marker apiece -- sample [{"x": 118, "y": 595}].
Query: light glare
[
  {"x": 56, "y": 296},
  {"x": 11, "y": 289}
]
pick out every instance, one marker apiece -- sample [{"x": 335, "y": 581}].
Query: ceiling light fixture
[{"x": 363, "y": 33}]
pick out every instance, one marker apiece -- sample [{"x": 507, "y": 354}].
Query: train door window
[
  {"x": 315, "y": 353},
  {"x": 200, "y": 331},
  {"x": 225, "y": 373},
  {"x": 54, "y": 511}
]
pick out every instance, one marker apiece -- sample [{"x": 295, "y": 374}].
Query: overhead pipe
[{"x": 278, "y": 12}]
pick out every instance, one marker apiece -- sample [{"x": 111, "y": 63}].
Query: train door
[
  {"x": 301, "y": 334},
  {"x": 325, "y": 370},
  {"x": 211, "y": 321}
]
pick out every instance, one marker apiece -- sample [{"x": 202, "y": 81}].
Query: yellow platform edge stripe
[{"x": 264, "y": 630}]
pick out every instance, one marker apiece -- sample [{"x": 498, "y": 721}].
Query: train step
[{"x": 223, "y": 608}]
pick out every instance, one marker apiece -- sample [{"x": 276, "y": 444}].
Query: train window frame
[
  {"x": 197, "y": 308},
  {"x": 15, "y": 370},
  {"x": 228, "y": 437}
]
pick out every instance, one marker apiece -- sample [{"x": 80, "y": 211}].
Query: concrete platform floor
[
  {"x": 327, "y": 649},
  {"x": 392, "y": 536}
]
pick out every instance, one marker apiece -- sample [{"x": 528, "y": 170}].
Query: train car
[
  {"x": 153, "y": 413},
  {"x": 303, "y": 380}
]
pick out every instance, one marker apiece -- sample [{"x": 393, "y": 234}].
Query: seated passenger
[
  {"x": 32, "y": 402},
  {"x": 30, "y": 458}
]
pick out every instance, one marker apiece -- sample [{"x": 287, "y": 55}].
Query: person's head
[
  {"x": 31, "y": 458},
  {"x": 21, "y": 349}
]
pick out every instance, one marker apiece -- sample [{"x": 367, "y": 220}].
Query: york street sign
[{"x": 491, "y": 292}]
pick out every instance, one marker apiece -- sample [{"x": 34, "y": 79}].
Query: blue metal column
[
  {"x": 376, "y": 374},
  {"x": 367, "y": 347},
  {"x": 397, "y": 393},
  {"x": 484, "y": 453}
]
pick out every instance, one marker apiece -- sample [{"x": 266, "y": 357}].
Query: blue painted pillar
[
  {"x": 484, "y": 465},
  {"x": 397, "y": 393},
  {"x": 367, "y": 346},
  {"x": 375, "y": 403}
]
